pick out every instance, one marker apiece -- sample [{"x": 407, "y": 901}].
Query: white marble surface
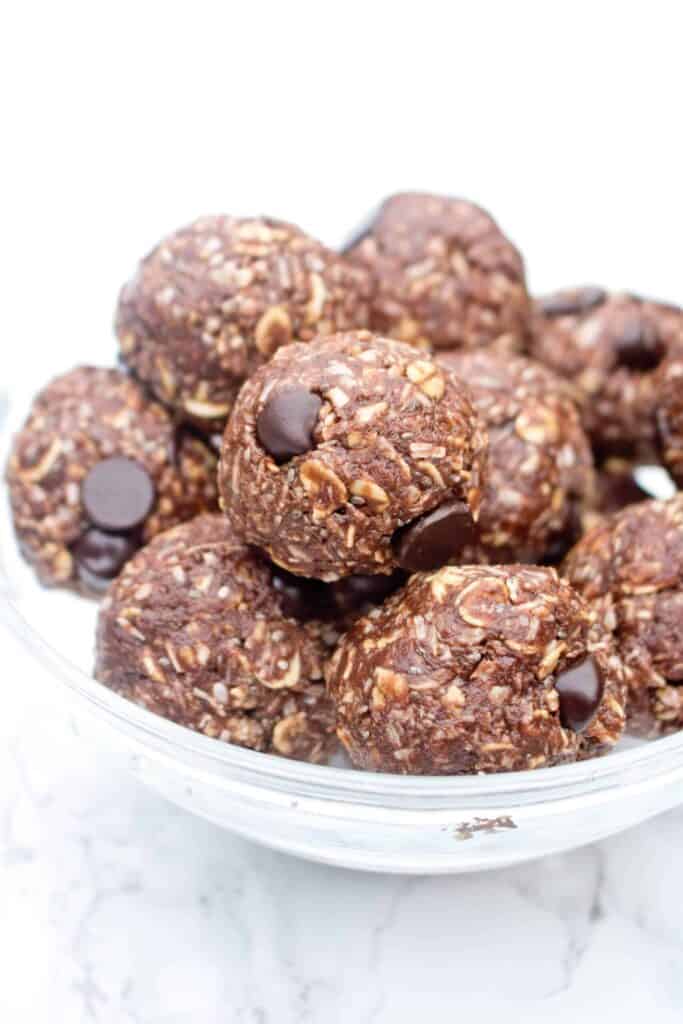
[{"x": 117, "y": 908}]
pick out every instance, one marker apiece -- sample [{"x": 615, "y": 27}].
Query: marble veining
[{"x": 117, "y": 908}]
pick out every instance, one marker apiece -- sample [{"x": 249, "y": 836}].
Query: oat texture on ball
[
  {"x": 444, "y": 274},
  {"x": 214, "y": 301},
  {"x": 194, "y": 630},
  {"x": 540, "y": 466},
  {"x": 97, "y": 470},
  {"x": 610, "y": 346},
  {"x": 477, "y": 669},
  {"x": 353, "y": 455},
  {"x": 632, "y": 565}
]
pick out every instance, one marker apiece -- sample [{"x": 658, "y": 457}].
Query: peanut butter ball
[
  {"x": 477, "y": 669},
  {"x": 445, "y": 275},
  {"x": 214, "y": 301},
  {"x": 540, "y": 465},
  {"x": 194, "y": 630},
  {"x": 354, "y": 454},
  {"x": 96, "y": 471},
  {"x": 630, "y": 567},
  {"x": 609, "y": 346}
]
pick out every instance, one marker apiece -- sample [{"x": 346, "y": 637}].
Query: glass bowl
[{"x": 335, "y": 815}]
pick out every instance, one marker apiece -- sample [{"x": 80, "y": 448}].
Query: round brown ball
[
  {"x": 540, "y": 466},
  {"x": 632, "y": 565},
  {"x": 214, "y": 301},
  {"x": 445, "y": 275},
  {"x": 477, "y": 669},
  {"x": 336, "y": 453},
  {"x": 88, "y": 421},
  {"x": 610, "y": 347},
  {"x": 195, "y": 631}
]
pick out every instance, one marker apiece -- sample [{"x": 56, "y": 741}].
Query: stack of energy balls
[{"x": 379, "y": 496}]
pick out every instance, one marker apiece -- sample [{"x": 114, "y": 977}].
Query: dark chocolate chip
[
  {"x": 100, "y": 556},
  {"x": 638, "y": 346},
  {"x": 285, "y": 424},
  {"x": 300, "y": 598},
  {"x": 431, "y": 541},
  {"x": 574, "y": 302},
  {"x": 580, "y": 690},
  {"x": 118, "y": 494},
  {"x": 356, "y": 592}
]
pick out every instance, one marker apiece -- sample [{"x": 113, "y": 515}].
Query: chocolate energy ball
[
  {"x": 215, "y": 300},
  {"x": 540, "y": 466},
  {"x": 610, "y": 347},
  {"x": 353, "y": 455},
  {"x": 633, "y": 564},
  {"x": 98, "y": 469},
  {"x": 445, "y": 275},
  {"x": 194, "y": 630},
  {"x": 477, "y": 669}
]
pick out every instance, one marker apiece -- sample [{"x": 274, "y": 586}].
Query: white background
[{"x": 121, "y": 122}]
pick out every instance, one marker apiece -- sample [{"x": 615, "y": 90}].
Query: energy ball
[
  {"x": 632, "y": 563},
  {"x": 445, "y": 275},
  {"x": 477, "y": 669},
  {"x": 213, "y": 301},
  {"x": 194, "y": 630},
  {"x": 353, "y": 455},
  {"x": 610, "y": 347},
  {"x": 96, "y": 471},
  {"x": 540, "y": 466}
]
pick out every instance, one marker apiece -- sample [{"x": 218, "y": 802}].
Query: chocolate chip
[
  {"x": 100, "y": 556},
  {"x": 580, "y": 690},
  {"x": 285, "y": 424},
  {"x": 574, "y": 302},
  {"x": 638, "y": 346},
  {"x": 431, "y": 541},
  {"x": 118, "y": 494},
  {"x": 355, "y": 592}
]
